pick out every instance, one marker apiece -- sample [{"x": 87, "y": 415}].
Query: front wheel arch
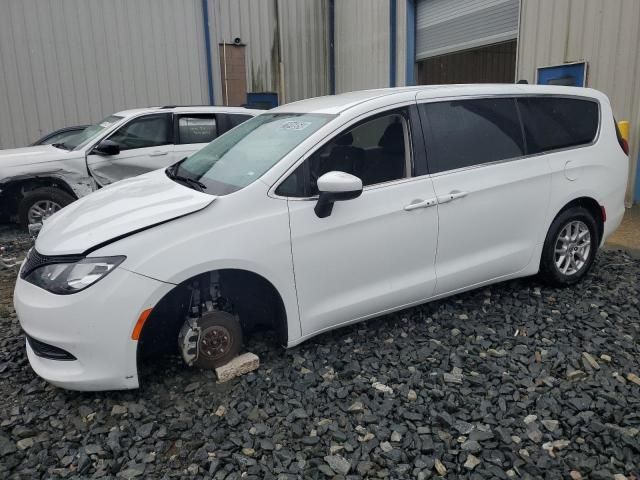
[
  {"x": 14, "y": 189},
  {"x": 251, "y": 296}
]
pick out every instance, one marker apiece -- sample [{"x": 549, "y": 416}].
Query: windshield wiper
[
  {"x": 171, "y": 173},
  {"x": 60, "y": 145}
]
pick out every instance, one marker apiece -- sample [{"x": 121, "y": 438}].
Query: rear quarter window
[{"x": 552, "y": 123}]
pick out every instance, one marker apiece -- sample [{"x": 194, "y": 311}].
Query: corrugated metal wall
[
  {"x": 255, "y": 23},
  {"x": 362, "y": 43},
  {"x": 304, "y": 32},
  {"x": 604, "y": 33},
  {"x": 292, "y": 31},
  {"x": 72, "y": 62}
]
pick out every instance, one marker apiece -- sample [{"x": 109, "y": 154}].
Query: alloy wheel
[
  {"x": 572, "y": 247},
  {"x": 41, "y": 210}
]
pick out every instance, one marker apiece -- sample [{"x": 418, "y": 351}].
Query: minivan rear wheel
[
  {"x": 570, "y": 247},
  {"x": 220, "y": 339}
]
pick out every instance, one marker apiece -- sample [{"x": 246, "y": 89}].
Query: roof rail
[
  {"x": 184, "y": 106},
  {"x": 176, "y": 106}
]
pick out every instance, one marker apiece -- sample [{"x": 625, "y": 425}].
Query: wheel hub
[
  {"x": 572, "y": 248},
  {"x": 214, "y": 342}
]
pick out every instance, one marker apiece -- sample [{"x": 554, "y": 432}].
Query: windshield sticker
[
  {"x": 105, "y": 124},
  {"x": 294, "y": 125}
]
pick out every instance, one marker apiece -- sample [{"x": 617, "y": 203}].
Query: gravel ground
[{"x": 512, "y": 381}]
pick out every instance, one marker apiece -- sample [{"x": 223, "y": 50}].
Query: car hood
[
  {"x": 15, "y": 157},
  {"x": 116, "y": 211}
]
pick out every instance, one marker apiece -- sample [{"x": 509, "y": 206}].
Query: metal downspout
[
  {"x": 207, "y": 49},
  {"x": 393, "y": 23}
]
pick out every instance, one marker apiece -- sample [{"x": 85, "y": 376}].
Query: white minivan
[
  {"x": 37, "y": 181},
  {"x": 318, "y": 214}
]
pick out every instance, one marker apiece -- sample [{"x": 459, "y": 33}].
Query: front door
[
  {"x": 145, "y": 144},
  {"x": 492, "y": 198},
  {"x": 376, "y": 252}
]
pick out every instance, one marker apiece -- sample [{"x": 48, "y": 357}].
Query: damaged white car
[
  {"x": 318, "y": 214},
  {"x": 36, "y": 182}
]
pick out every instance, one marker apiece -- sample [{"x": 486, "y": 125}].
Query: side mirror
[
  {"x": 107, "y": 147},
  {"x": 336, "y": 187}
]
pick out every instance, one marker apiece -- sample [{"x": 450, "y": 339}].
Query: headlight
[{"x": 65, "y": 278}]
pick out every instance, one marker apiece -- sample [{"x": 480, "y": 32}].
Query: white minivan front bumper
[{"x": 93, "y": 325}]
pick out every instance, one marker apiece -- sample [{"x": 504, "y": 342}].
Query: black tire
[
  {"x": 220, "y": 327},
  {"x": 53, "y": 194},
  {"x": 549, "y": 272}
]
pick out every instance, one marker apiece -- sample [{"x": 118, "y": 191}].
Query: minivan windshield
[
  {"x": 89, "y": 133},
  {"x": 242, "y": 155}
]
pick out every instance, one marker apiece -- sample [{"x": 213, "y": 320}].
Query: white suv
[
  {"x": 37, "y": 181},
  {"x": 322, "y": 213}
]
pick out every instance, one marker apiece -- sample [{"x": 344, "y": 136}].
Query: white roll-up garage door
[{"x": 445, "y": 26}]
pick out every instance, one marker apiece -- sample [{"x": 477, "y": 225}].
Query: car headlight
[{"x": 66, "y": 278}]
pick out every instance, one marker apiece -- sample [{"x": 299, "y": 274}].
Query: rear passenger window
[
  {"x": 552, "y": 122},
  {"x": 464, "y": 133},
  {"x": 197, "y": 128}
]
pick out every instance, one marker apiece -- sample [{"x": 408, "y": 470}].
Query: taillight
[{"x": 625, "y": 146}]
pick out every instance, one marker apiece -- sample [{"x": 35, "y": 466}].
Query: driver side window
[
  {"x": 143, "y": 132},
  {"x": 375, "y": 150}
]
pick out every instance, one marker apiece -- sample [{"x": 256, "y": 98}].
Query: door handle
[
  {"x": 416, "y": 204},
  {"x": 157, "y": 153},
  {"x": 453, "y": 195}
]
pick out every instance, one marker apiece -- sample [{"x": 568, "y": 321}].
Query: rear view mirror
[
  {"x": 107, "y": 147},
  {"x": 336, "y": 187}
]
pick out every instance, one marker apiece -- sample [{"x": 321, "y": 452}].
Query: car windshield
[
  {"x": 89, "y": 133},
  {"x": 245, "y": 153}
]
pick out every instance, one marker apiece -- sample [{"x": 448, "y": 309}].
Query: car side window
[
  {"x": 143, "y": 132},
  {"x": 197, "y": 128},
  {"x": 463, "y": 133},
  {"x": 235, "y": 119},
  {"x": 551, "y": 123},
  {"x": 375, "y": 150}
]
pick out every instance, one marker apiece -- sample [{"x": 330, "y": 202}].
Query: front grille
[
  {"x": 35, "y": 260},
  {"x": 50, "y": 352}
]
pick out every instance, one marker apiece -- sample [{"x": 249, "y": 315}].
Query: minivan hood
[
  {"x": 116, "y": 211},
  {"x": 14, "y": 157}
]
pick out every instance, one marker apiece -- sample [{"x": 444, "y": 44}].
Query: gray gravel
[{"x": 512, "y": 381}]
